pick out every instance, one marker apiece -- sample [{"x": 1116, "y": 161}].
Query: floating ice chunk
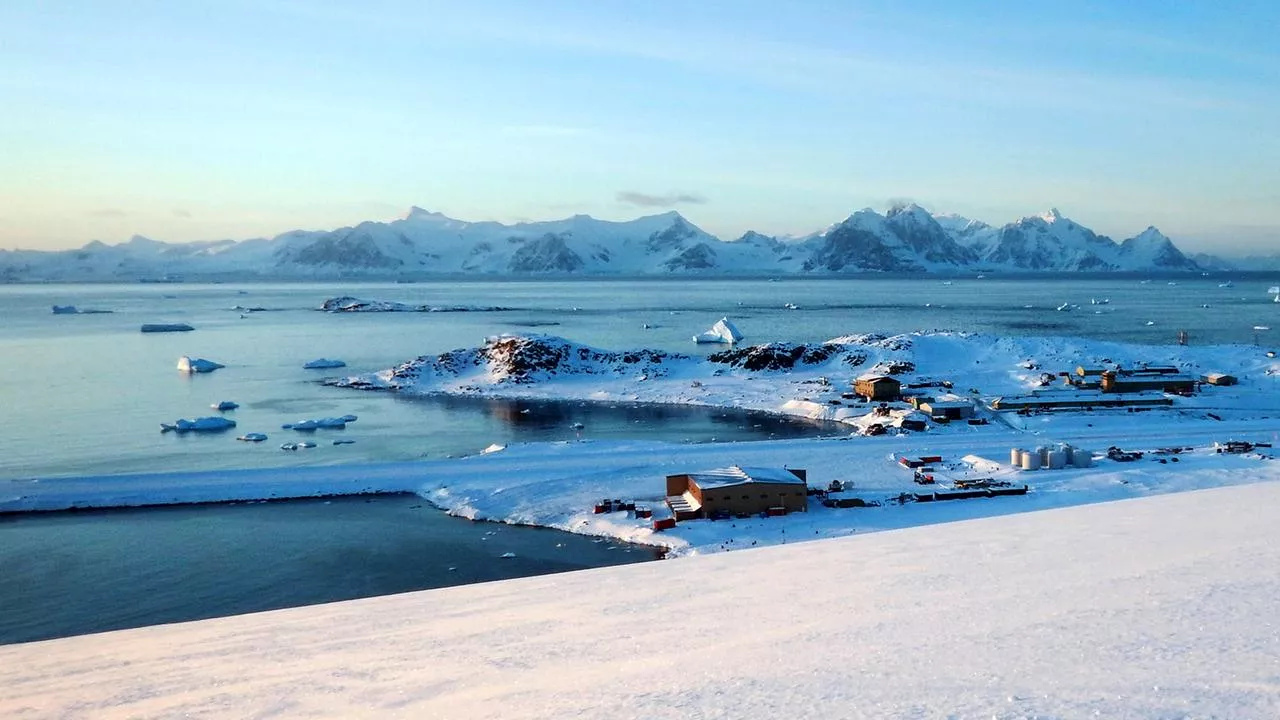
[
  {"x": 508, "y": 555},
  {"x": 73, "y": 310},
  {"x": 225, "y": 405},
  {"x": 724, "y": 331},
  {"x": 324, "y": 364},
  {"x": 197, "y": 365},
  {"x": 344, "y": 442},
  {"x": 318, "y": 423},
  {"x": 493, "y": 449},
  {"x": 204, "y": 424},
  {"x": 166, "y": 327},
  {"x": 253, "y": 437},
  {"x": 297, "y": 445}
]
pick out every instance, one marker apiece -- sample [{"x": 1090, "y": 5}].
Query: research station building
[{"x": 736, "y": 490}]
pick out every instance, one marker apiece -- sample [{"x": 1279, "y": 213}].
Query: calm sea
[{"x": 92, "y": 571}]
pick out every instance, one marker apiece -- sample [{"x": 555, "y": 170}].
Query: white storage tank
[
  {"x": 1057, "y": 460},
  {"x": 1030, "y": 461},
  {"x": 1082, "y": 458},
  {"x": 1067, "y": 452},
  {"x": 1015, "y": 457},
  {"x": 1043, "y": 452}
]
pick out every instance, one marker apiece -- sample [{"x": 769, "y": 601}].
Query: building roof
[
  {"x": 876, "y": 378},
  {"x": 941, "y": 404},
  {"x": 736, "y": 475}
]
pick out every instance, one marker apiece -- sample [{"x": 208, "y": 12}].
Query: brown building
[
  {"x": 736, "y": 490},
  {"x": 878, "y": 387}
]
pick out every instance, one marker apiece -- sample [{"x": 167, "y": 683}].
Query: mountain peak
[
  {"x": 417, "y": 213},
  {"x": 1051, "y": 215}
]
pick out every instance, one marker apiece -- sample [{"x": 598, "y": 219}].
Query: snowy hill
[
  {"x": 906, "y": 239},
  {"x": 1152, "y": 608}
]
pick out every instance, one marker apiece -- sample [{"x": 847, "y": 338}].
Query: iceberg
[
  {"x": 189, "y": 364},
  {"x": 204, "y": 424},
  {"x": 324, "y": 364},
  {"x": 319, "y": 423},
  {"x": 225, "y": 405},
  {"x": 166, "y": 327},
  {"x": 253, "y": 437},
  {"x": 724, "y": 331}
]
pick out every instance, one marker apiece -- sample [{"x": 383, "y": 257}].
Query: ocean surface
[{"x": 92, "y": 571}]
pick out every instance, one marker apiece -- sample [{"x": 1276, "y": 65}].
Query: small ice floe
[
  {"x": 204, "y": 424},
  {"x": 1151, "y": 322},
  {"x": 791, "y": 306},
  {"x": 1227, "y": 284},
  {"x": 166, "y": 327},
  {"x": 577, "y": 426},
  {"x": 297, "y": 445},
  {"x": 1067, "y": 307},
  {"x": 1099, "y": 301},
  {"x": 73, "y": 310},
  {"x": 507, "y": 555},
  {"x": 493, "y": 449},
  {"x": 225, "y": 405},
  {"x": 344, "y": 442},
  {"x": 253, "y": 437},
  {"x": 724, "y": 331},
  {"x": 320, "y": 423},
  {"x": 946, "y": 282},
  {"x": 189, "y": 364},
  {"x": 324, "y": 364}
]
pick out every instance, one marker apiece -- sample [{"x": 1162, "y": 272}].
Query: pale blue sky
[{"x": 239, "y": 118}]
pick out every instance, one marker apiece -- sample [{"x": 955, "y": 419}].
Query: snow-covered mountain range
[{"x": 907, "y": 238}]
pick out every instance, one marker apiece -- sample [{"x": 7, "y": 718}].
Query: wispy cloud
[
  {"x": 180, "y": 213},
  {"x": 632, "y": 197},
  {"x": 106, "y": 213}
]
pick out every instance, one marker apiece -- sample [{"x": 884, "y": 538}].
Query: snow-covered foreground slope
[{"x": 1154, "y": 608}]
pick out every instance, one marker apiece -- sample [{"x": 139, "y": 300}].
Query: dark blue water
[{"x": 92, "y": 571}]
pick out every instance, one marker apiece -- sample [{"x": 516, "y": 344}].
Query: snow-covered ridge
[{"x": 907, "y": 238}]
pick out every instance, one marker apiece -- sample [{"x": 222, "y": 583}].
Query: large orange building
[{"x": 736, "y": 490}]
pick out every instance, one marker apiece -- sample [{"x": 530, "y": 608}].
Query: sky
[{"x": 243, "y": 118}]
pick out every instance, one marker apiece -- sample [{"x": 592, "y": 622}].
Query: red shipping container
[{"x": 664, "y": 523}]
